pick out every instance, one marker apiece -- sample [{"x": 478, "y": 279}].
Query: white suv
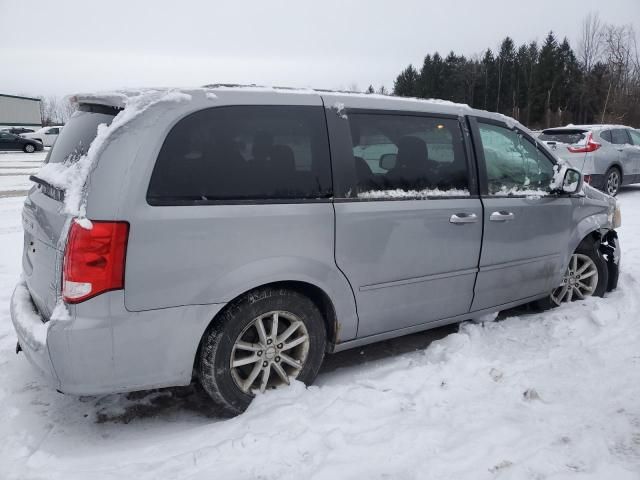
[{"x": 47, "y": 135}]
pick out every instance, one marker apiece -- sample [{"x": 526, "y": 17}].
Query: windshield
[
  {"x": 79, "y": 132},
  {"x": 570, "y": 137}
]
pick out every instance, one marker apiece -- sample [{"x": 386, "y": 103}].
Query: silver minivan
[
  {"x": 607, "y": 155},
  {"x": 236, "y": 235}
]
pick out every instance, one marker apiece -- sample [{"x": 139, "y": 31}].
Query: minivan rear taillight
[
  {"x": 94, "y": 260},
  {"x": 590, "y": 146}
]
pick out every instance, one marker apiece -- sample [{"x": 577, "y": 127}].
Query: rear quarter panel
[{"x": 209, "y": 254}]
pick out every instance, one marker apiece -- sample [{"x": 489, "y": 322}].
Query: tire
[
  {"x": 228, "y": 338},
  {"x": 29, "y": 148},
  {"x": 588, "y": 250},
  {"x": 612, "y": 181}
]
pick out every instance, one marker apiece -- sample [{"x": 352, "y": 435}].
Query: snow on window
[
  {"x": 340, "y": 110},
  {"x": 559, "y": 171},
  {"x": 417, "y": 194},
  {"x": 507, "y": 192}
]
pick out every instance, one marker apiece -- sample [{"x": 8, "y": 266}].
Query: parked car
[
  {"x": 607, "y": 155},
  {"x": 16, "y": 130},
  {"x": 9, "y": 141},
  {"x": 237, "y": 233},
  {"x": 47, "y": 135}
]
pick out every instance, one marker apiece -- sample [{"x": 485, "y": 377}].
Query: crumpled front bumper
[{"x": 610, "y": 247}]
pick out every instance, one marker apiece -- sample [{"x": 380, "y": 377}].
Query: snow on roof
[
  {"x": 119, "y": 98},
  {"x": 593, "y": 126}
]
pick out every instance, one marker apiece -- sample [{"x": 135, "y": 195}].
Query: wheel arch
[
  {"x": 617, "y": 165},
  {"x": 589, "y": 229},
  {"x": 317, "y": 295}
]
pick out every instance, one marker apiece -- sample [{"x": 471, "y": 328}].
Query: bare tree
[
  {"x": 590, "y": 45},
  {"x": 621, "y": 55},
  {"x": 55, "y": 110}
]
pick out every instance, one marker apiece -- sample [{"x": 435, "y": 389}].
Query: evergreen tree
[
  {"x": 406, "y": 84},
  {"x": 505, "y": 64},
  {"x": 541, "y": 86},
  {"x": 547, "y": 77},
  {"x": 489, "y": 83}
]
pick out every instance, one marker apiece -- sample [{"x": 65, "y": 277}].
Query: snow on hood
[{"x": 71, "y": 175}]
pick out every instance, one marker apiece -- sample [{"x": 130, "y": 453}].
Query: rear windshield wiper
[{"x": 48, "y": 189}]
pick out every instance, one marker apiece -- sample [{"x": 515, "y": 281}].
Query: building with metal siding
[{"x": 19, "y": 111}]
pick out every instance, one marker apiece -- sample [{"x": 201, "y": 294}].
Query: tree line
[{"x": 541, "y": 85}]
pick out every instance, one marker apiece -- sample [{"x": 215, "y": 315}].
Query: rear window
[
  {"x": 79, "y": 132},
  {"x": 570, "y": 137},
  {"x": 244, "y": 153}
]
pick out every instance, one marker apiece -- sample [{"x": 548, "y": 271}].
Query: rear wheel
[
  {"x": 29, "y": 148},
  {"x": 261, "y": 342},
  {"x": 612, "y": 182}
]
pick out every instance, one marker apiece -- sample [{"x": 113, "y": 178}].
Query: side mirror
[
  {"x": 388, "y": 161},
  {"x": 572, "y": 182}
]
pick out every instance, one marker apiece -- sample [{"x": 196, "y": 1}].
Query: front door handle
[
  {"x": 501, "y": 216},
  {"x": 463, "y": 218}
]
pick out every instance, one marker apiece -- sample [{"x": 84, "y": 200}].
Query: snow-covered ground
[
  {"x": 534, "y": 396},
  {"x": 15, "y": 168}
]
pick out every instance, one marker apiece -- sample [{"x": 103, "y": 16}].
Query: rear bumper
[
  {"x": 103, "y": 348},
  {"x": 597, "y": 181},
  {"x": 32, "y": 332}
]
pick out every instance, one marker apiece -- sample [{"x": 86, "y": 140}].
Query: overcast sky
[{"x": 66, "y": 46}]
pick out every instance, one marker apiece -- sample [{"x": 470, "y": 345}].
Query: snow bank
[
  {"x": 71, "y": 175},
  {"x": 399, "y": 193}
]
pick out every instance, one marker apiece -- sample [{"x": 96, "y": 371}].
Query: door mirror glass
[
  {"x": 572, "y": 182},
  {"x": 388, "y": 161}
]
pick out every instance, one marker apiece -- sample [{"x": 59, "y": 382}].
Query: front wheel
[
  {"x": 613, "y": 180},
  {"x": 262, "y": 341},
  {"x": 29, "y": 148},
  {"x": 587, "y": 275}
]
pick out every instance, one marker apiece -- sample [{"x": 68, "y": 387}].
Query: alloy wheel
[
  {"x": 613, "y": 182},
  {"x": 579, "y": 281},
  {"x": 269, "y": 351}
]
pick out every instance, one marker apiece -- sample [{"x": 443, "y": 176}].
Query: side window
[
  {"x": 408, "y": 156},
  {"x": 606, "y": 135},
  {"x": 244, "y": 153},
  {"x": 53, "y": 131},
  {"x": 619, "y": 136},
  {"x": 514, "y": 164},
  {"x": 635, "y": 137}
]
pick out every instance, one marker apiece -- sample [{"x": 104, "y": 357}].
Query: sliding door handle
[
  {"x": 463, "y": 218},
  {"x": 501, "y": 216}
]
